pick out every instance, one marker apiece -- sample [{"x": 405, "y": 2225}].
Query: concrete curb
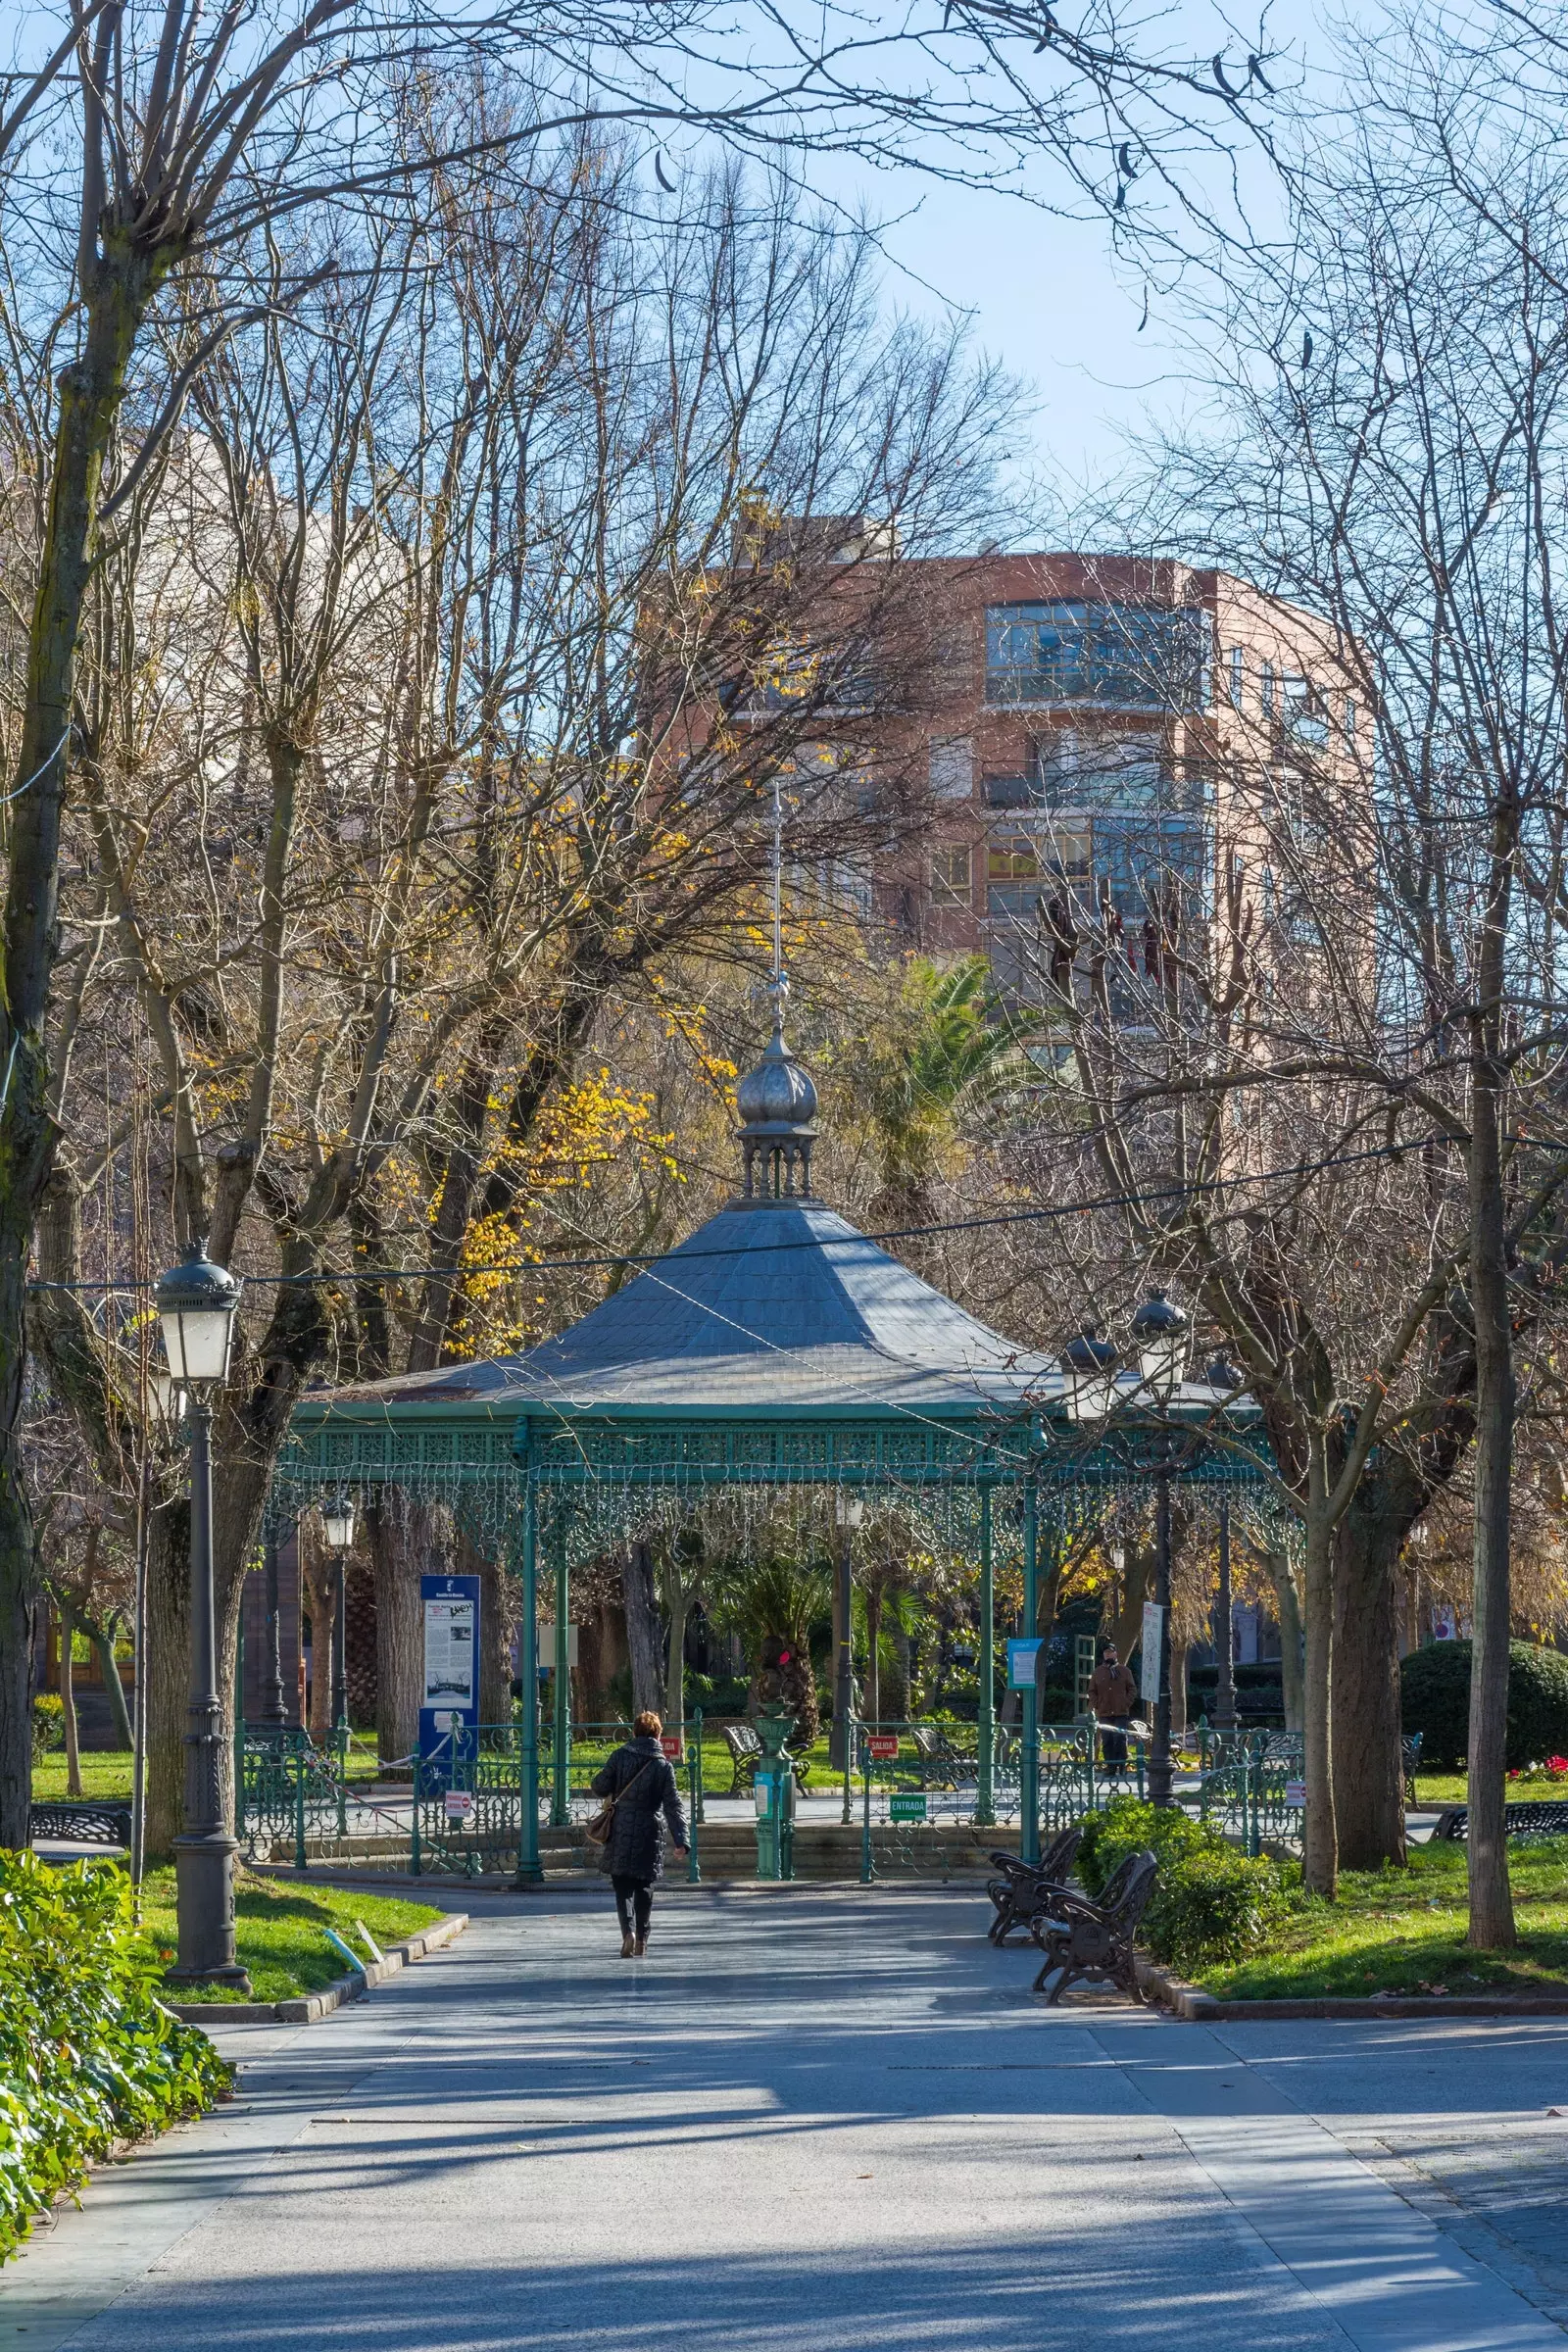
[
  {"x": 313, "y": 2006},
  {"x": 1190, "y": 2003}
]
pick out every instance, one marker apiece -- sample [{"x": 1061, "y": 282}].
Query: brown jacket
[{"x": 1112, "y": 1692}]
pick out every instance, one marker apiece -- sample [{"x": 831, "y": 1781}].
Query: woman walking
[{"x": 642, "y": 1786}]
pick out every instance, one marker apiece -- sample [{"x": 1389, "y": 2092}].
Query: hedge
[
  {"x": 89, "y": 2055},
  {"x": 1210, "y": 1903},
  {"x": 1435, "y": 1700}
]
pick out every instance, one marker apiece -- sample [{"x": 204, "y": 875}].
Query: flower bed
[{"x": 89, "y": 2055}]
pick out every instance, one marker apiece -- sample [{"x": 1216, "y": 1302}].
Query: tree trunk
[
  {"x": 1223, "y": 1625},
  {"x": 1136, "y": 1576},
  {"x": 91, "y": 389},
  {"x": 103, "y": 1642},
  {"x": 1368, "y": 1757},
  {"x": 1320, "y": 1843},
  {"x": 1293, "y": 1670},
  {"x": 874, "y": 1653},
  {"x": 644, "y": 1632},
  {"x": 497, "y": 1625},
  {"x": 68, "y": 1699},
  {"x": 167, "y": 1670},
  {"x": 676, "y": 1670},
  {"x": 405, "y": 1544},
  {"x": 360, "y": 1604},
  {"x": 1492, "y": 1920}
]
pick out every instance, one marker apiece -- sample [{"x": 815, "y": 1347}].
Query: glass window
[
  {"x": 1237, "y": 659},
  {"x": 1268, "y": 689},
  {"x": 953, "y": 769},
  {"x": 952, "y": 875},
  {"x": 1012, "y": 857},
  {"x": 1129, "y": 657}
]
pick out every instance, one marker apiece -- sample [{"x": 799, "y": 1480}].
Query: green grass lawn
[
  {"x": 279, "y": 1932},
  {"x": 1452, "y": 1787},
  {"x": 106, "y": 1771},
  {"x": 1403, "y": 1931}
]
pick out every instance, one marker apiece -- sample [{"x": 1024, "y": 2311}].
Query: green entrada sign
[{"x": 907, "y": 1808}]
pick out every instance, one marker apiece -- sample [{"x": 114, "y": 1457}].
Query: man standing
[{"x": 1113, "y": 1695}]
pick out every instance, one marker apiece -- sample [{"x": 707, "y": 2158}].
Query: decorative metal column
[
  {"x": 985, "y": 1718},
  {"x": 1029, "y": 1787},
  {"x": 841, "y": 1738},
  {"x": 529, "y": 1872},
  {"x": 561, "y": 1777},
  {"x": 274, "y": 1710}
]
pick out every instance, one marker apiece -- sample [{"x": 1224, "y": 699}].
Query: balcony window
[
  {"x": 1009, "y": 792},
  {"x": 1012, "y": 857},
  {"x": 1121, "y": 656},
  {"x": 952, "y": 876},
  {"x": 1237, "y": 661},
  {"x": 953, "y": 769}
]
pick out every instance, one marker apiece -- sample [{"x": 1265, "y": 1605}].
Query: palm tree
[{"x": 956, "y": 1050}]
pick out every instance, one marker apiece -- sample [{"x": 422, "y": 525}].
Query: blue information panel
[{"x": 451, "y": 1699}]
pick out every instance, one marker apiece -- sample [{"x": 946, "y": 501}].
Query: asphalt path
[{"x": 820, "y": 2120}]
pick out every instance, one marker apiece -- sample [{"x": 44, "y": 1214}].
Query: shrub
[
  {"x": 1210, "y": 1903},
  {"x": 89, "y": 2055},
  {"x": 1435, "y": 1700},
  {"x": 48, "y": 1723}
]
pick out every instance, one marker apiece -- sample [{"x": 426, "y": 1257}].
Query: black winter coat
[{"x": 636, "y": 1848}]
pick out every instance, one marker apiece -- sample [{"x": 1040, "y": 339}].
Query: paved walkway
[{"x": 821, "y": 2121}]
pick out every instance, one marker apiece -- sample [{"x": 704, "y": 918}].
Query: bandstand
[{"x": 779, "y": 1357}]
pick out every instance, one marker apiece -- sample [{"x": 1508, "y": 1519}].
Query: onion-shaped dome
[
  {"x": 777, "y": 1103},
  {"x": 778, "y": 1093}
]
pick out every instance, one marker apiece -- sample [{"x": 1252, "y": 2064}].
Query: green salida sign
[{"x": 910, "y": 1806}]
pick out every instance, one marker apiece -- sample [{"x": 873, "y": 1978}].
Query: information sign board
[
  {"x": 906, "y": 1806},
  {"x": 1023, "y": 1664},
  {"x": 669, "y": 1742},
  {"x": 450, "y": 1697},
  {"x": 883, "y": 1743}
]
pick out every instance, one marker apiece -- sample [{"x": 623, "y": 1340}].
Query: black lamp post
[
  {"x": 196, "y": 1303},
  {"x": 337, "y": 1523},
  {"x": 1160, "y": 1333}
]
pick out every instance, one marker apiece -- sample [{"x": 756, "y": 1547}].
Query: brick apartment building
[{"x": 1110, "y": 723}]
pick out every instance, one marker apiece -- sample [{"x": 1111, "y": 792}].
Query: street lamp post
[
  {"x": 197, "y": 1303},
  {"x": 1223, "y": 1375},
  {"x": 337, "y": 1524}
]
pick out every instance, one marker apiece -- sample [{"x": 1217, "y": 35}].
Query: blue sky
[{"x": 1048, "y": 299}]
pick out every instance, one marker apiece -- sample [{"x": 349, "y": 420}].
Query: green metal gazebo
[{"x": 777, "y": 1349}]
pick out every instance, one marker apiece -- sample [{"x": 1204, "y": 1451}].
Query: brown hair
[{"x": 648, "y": 1725}]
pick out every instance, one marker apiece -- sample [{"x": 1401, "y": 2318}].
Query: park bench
[
  {"x": 1536, "y": 1817},
  {"x": 942, "y": 1765},
  {"x": 1019, "y": 1889},
  {"x": 1084, "y": 1939},
  {"x": 746, "y": 1753},
  {"x": 80, "y": 1821}
]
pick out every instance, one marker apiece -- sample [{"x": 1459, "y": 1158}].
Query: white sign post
[{"x": 1152, "y": 1642}]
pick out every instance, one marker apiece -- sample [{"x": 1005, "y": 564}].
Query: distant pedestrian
[
  {"x": 642, "y": 1786},
  {"x": 1113, "y": 1695}
]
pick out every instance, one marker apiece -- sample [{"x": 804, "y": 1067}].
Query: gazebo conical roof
[
  {"x": 777, "y": 1343},
  {"x": 781, "y": 1307}
]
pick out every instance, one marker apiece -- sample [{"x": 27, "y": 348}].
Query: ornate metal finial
[{"x": 777, "y": 1101}]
